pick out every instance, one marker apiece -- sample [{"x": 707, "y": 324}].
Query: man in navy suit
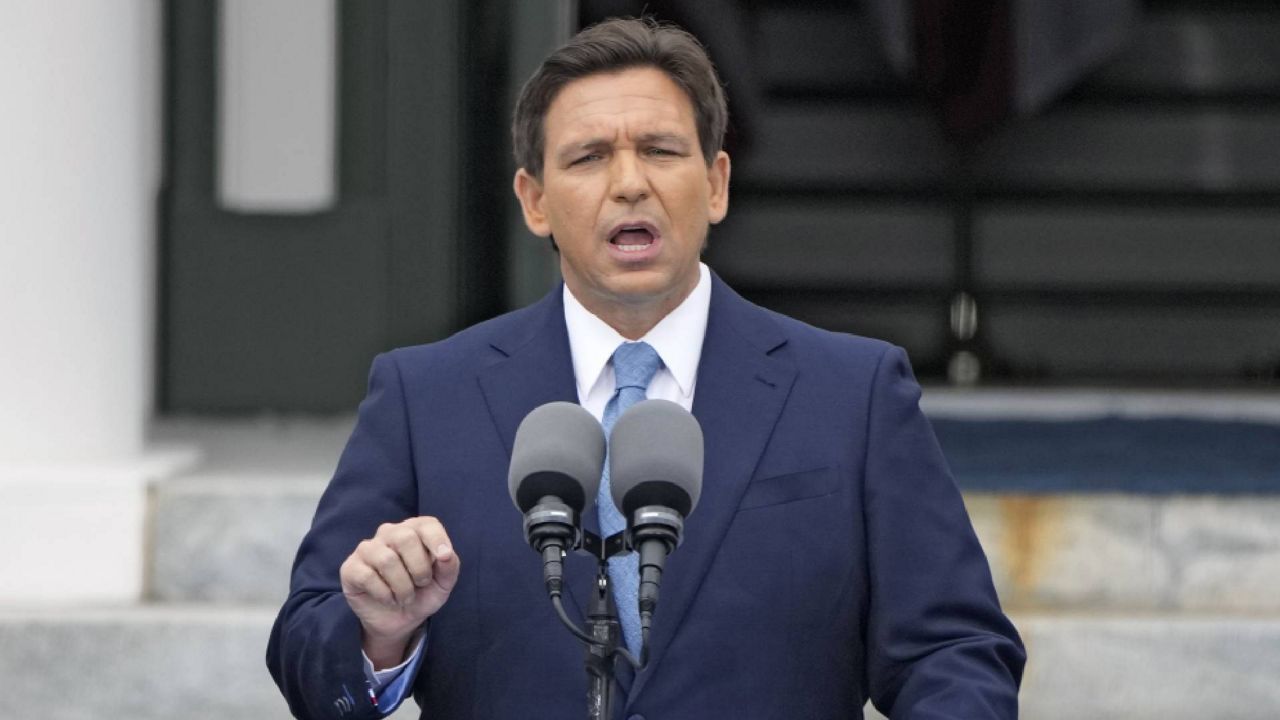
[{"x": 830, "y": 559}]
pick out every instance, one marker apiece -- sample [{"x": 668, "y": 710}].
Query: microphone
[
  {"x": 556, "y": 463},
  {"x": 655, "y": 477}
]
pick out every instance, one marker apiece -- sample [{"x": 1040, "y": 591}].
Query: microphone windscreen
[
  {"x": 655, "y": 458},
  {"x": 558, "y": 451}
]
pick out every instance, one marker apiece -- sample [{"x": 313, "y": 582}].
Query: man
[{"x": 830, "y": 558}]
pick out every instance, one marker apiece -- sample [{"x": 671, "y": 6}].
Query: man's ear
[
  {"x": 529, "y": 191},
  {"x": 718, "y": 179}
]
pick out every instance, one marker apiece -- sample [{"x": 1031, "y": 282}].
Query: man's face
[{"x": 625, "y": 192}]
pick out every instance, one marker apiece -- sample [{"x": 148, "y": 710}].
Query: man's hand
[{"x": 395, "y": 581}]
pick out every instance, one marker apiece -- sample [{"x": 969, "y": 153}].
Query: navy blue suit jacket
[{"x": 829, "y": 560}]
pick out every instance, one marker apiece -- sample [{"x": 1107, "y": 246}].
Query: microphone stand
[
  {"x": 604, "y": 629},
  {"x": 602, "y": 625}
]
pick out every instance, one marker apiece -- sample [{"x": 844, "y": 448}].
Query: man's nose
[{"x": 627, "y": 176}]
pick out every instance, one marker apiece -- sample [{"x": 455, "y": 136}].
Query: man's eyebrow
[
  {"x": 663, "y": 137},
  {"x": 566, "y": 151}
]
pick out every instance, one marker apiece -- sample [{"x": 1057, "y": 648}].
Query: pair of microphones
[{"x": 655, "y": 456}]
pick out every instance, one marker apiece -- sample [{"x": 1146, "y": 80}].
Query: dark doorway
[{"x": 284, "y": 312}]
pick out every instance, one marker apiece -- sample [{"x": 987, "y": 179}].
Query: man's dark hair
[{"x": 612, "y": 46}]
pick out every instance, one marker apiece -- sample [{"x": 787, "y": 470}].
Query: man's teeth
[{"x": 633, "y": 239}]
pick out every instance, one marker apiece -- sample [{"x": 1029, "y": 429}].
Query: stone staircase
[{"x": 1131, "y": 606}]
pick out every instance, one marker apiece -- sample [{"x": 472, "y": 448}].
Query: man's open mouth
[{"x": 633, "y": 237}]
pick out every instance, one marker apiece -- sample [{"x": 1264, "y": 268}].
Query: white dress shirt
[{"x": 678, "y": 340}]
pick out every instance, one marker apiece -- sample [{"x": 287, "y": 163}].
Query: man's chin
[{"x": 640, "y": 288}]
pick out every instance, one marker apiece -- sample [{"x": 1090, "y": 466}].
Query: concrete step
[
  {"x": 206, "y": 663},
  {"x": 144, "y": 662},
  {"x": 1150, "y": 667},
  {"x": 231, "y": 538},
  {"x": 227, "y": 531},
  {"x": 228, "y": 538}
]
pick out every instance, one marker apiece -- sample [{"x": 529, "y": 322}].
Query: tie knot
[{"x": 634, "y": 365}]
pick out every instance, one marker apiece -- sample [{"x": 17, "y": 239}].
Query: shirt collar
[{"x": 677, "y": 337}]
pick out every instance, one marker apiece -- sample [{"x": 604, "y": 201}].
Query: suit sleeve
[
  {"x": 314, "y": 653},
  {"x": 939, "y": 644}
]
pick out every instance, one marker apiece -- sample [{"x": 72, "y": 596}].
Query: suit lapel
[
  {"x": 739, "y": 395},
  {"x": 536, "y": 368}
]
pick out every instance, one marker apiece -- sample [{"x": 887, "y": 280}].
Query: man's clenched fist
[{"x": 397, "y": 579}]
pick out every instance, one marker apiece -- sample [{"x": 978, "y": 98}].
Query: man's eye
[
  {"x": 586, "y": 159},
  {"x": 661, "y": 151}
]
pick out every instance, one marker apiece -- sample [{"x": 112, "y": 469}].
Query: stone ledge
[
  {"x": 1132, "y": 552},
  {"x": 1089, "y": 403},
  {"x": 232, "y": 538}
]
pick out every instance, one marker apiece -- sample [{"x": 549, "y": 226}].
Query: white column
[{"x": 79, "y": 169}]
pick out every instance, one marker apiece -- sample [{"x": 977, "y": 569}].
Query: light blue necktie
[{"x": 634, "y": 365}]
